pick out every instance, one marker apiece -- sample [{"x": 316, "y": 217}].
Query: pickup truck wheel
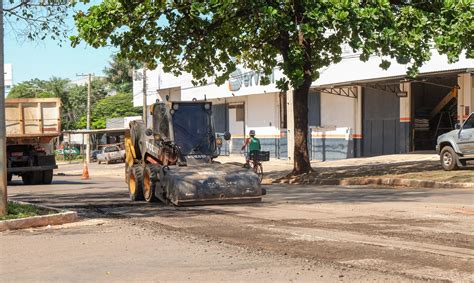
[
  {"x": 449, "y": 159},
  {"x": 149, "y": 182},
  {"x": 47, "y": 177},
  {"x": 135, "y": 183}
]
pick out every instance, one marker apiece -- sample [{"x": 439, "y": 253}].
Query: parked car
[
  {"x": 94, "y": 155},
  {"x": 111, "y": 154},
  {"x": 456, "y": 147}
]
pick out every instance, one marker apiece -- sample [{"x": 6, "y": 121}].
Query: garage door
[{"x": 381, "y": 118}]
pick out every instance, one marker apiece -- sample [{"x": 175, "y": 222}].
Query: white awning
[{"x": 352, "y": 70}]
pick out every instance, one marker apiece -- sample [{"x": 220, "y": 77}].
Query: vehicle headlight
[
  {"x": 207, "y": 106},
  {"x": 175, "y": 107}
]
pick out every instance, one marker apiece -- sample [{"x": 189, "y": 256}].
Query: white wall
[
  {"x": 8, "y": 69},
  {"x": 337, "y": 111},
  {"x": 244, "y": 82},
  {"x": 262, "y": 114}
]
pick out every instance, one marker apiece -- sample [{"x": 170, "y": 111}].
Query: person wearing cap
[{"x": 253, "y": 145}]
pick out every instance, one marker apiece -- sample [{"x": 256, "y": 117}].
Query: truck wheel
[
  {"x": 135, "y": 183},
  {"x": 149, "y": 182},
  {"x": 449, "y": 159},
  {"x": 32, "y": 178},
  {"x": 47, "y": 177},
  {"x": 37, "y": 177},
  {"x": 26, "y": 178}
]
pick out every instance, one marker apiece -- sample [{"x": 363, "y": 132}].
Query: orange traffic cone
[{"x": 85, "y": 172}]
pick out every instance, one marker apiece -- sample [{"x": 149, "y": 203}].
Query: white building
[
  {"x": 355, "y": 108},
  {"x": 8, "y": 69}
]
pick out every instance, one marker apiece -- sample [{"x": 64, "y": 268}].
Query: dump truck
[
  {"x": 31, "y": 125},
  {"x": 173, "y": 160}
]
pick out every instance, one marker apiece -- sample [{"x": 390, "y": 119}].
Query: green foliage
[
  {"x": 16, "y": 211},
  {"x": 38, "y": 19},
  {"x": 119, "y": 105},
  {"x": 202, "y": 37},
  {"x": 119, "y": 74},
  {"x": 31, "y": 89}
]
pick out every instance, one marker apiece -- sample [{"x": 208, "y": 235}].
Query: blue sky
[{"x": 45, "y": 59}]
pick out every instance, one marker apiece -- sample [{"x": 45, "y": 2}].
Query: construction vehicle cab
[{"x": 172, "y": 161}]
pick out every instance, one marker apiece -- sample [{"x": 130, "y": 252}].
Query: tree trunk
[
  {"x": 300, "y": 113},
  {"x": 3, "y": 144}
]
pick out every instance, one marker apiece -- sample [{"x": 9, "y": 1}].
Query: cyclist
[{"x": 253, "y": 145}]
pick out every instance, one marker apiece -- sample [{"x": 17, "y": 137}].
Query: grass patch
[
  {"x": 16, "y": 211},
  {"x": 459, "y": 176},
  {"x": 61, "y": 157}
]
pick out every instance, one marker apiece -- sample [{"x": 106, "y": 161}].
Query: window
[
  {"x": 111, "y": 149},
  {"x": 314, "y": 109},
  {"x": 239, "y": 112},
  {"x": 469, "y": 124},
  {"x": 283, "y": 110}
]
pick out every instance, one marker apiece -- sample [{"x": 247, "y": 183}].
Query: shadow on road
[
  {"x": 18, "y": 183},
  {"x": 325, "y": 194},
  {"x": 91, "y": 201},
  {"x": 322, "y": 174}
]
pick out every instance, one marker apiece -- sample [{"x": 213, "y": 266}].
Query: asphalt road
[{"x": 298, "y": 233}]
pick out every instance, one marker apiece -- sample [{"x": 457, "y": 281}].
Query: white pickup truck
[{"x": 111, "y": 154}]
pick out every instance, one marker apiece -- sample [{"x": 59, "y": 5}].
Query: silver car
[
  {"x": 455, "y": 148},
  {"x": 111, "y": 154}
]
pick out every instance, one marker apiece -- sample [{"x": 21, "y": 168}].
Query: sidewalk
[{"x": 409, "y": 170}]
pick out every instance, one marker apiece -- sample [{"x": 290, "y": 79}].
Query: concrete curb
[
  {"x": 381, "y": 181},
  {"x": 61, "y": 217},
  {"x": 399, "y": 182}
]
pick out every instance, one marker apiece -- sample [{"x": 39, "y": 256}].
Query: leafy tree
[
  {"x": 299, "y": 36},
  {"x": 75, "y": 106},
  {"x": 119, "y": 74},
  {"x": 30, "y": 89},
  {"x": 38, "y": 19},
  {"x": 119, "y": 105},
  {"x": 33, "y": 20}
]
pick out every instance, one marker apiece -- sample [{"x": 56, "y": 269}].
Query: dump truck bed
[{"x": 32, "y": 118}]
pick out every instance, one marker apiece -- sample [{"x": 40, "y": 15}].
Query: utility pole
[
  {"x": 145, "y": 114},
  {"x": 88, "y": 115},
  {"x": 3, "y": 135}
]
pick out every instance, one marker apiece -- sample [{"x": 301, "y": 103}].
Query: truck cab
[{"x": 456, "y": 147}]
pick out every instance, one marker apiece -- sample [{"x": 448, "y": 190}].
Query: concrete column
[
  {"x": 357, "y": 124},
  {"x": 405, "y": 118},
  {"x": 290, "y": 123},
  {"x": 465, "y": 96}
]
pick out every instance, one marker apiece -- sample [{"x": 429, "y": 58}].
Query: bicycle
[{"x": 255, "y": 158}]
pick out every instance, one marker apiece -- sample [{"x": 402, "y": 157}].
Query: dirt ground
[
  {"x": 123, "y": 251},
  {"x": 361, "y": 233},
  {"x": 420, "y": 166}
]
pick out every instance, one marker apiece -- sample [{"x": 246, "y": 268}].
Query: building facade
[
  {"x": 8, "y": 69},
  {"x": 354, "y": 109}
]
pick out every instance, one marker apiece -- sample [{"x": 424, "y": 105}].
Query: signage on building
[{"x": 239, "y": 79}]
